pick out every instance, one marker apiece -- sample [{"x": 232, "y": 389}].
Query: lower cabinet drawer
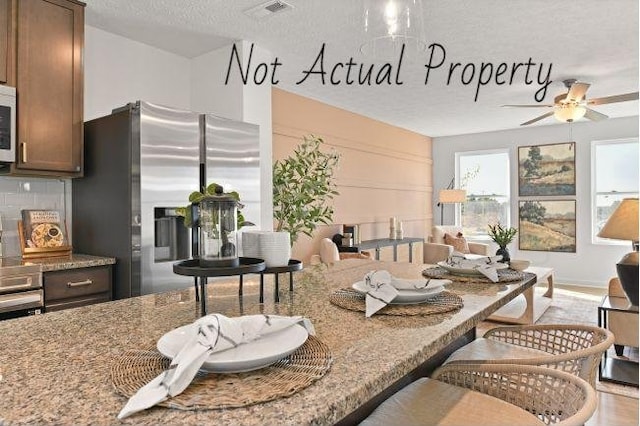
[
  {"x": 59, "y": 305},
  {"x": 75, "y": 283}
]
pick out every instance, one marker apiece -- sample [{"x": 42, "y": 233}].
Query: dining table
[{"x": 57, "y": 368}]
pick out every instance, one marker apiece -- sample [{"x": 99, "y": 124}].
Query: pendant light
[{"x": 390, "y": 24}]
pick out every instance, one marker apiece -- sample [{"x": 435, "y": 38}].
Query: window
[
  {"x": 485, "y": 176},
  {"x": 615, "y": 176}
]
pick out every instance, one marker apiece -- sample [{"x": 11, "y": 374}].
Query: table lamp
[
  {"x": 449, "y": 195},
  {"x": 623, "y": 225}
]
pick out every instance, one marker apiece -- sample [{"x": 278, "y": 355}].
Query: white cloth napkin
[
  {"x": 213, "y": 333},
  {"x": 382, "y": 288},
  {"x": 486, "y": 265}
]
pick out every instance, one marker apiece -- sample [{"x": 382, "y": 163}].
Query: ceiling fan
[{"x": 573, "y": 105}]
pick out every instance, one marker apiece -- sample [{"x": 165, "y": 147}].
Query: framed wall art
[
  {"x": 547, "y": 225},
  {"x": 547, "y": 170}
]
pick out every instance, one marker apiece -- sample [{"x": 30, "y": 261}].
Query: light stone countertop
[
  {"x": 54, "y": 368},
  {"x": 74, "y": 261}
]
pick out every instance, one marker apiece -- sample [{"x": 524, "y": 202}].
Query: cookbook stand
[{"x": 192, "y": 268}]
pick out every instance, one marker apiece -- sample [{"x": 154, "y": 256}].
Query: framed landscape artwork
[
  {"x": 545, "y": 170},
  {"x": 548, "y": 225}
]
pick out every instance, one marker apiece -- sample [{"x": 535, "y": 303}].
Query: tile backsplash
[{"x": 19, "y": 193}]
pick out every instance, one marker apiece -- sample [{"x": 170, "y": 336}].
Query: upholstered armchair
[
  {"x": 329, "y": 253},
  {"x": 623, "y": 325},
  {"x": 436, "y": 250}
]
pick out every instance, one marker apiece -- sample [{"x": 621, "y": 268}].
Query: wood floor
[{"x": 615, "y": 410}]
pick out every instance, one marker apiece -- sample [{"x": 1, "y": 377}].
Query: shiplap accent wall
[{"x": 384, "y": 171}]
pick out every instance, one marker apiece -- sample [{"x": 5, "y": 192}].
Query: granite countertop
[
  {"x": 54, "y": 368},
  {"x": 72, "y": 261}
]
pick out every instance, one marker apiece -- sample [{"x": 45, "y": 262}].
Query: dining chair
[
  {"x": 574, "y": 348},
  {"x": 489, "y": 394}
]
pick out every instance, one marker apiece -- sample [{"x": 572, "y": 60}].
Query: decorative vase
[
  {"x": 218, "y": 231},
  {"x": 273, "y": 247},
  {"x": 505, "y": 254}
]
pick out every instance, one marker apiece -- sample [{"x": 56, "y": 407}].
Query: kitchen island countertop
[{"x": 54, "y": 368}]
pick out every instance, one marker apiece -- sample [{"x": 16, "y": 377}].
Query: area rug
[{"x": 570, "y": 307}]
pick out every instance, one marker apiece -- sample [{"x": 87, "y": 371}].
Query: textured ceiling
[{"x": 593, "y": 41}]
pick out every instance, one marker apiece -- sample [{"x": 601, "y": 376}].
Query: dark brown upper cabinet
[
  {"x": 5, "y": 34},
  {"x": 49, "y": 44}
]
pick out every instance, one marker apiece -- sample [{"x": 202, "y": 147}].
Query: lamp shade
[
  {"x": 449, "y": 196},
  {"x": 623, "y": 223}
]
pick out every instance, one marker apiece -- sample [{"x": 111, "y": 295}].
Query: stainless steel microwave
[{"x": 7, "y": 124}]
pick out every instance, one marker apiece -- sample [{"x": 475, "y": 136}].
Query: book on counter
[{"x": 43, "y": 231}]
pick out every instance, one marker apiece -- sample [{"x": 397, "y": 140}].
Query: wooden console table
[
  {"x": 377, "y": 244},
  {"x": 529, "y": 308}
]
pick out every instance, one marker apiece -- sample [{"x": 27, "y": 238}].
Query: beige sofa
[
  {"x": 623, "y": 325},
  {"x": 436, "y": 250}
]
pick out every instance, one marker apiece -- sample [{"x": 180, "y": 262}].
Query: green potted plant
[
  {"x": 303, "y": 186},
  {"x": 502, "y": 236},
  {"x": 196, "y": 196}
]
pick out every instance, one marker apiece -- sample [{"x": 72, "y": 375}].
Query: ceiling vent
[{"x": 270, "y": 8}]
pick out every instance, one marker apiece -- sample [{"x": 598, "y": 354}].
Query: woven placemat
[
  {"x": 354, "y": 301},
  {"x": 210, "y": 391},
  {"x": 504, "y": 275}
]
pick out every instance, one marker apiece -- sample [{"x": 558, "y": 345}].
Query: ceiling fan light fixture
[
  {"x": 569, "y": 112},
  {"x": 390, "y": 24}
]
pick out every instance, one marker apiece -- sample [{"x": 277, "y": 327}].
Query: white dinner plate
[
  {"x": 406, "y": 296},
  {"x": 456, "y": 270},
  {"x": 246, "y": 357}
]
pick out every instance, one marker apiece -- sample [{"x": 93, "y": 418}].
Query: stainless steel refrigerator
[{"x": 141, "y": 163}]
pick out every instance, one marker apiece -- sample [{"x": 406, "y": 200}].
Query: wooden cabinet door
[
  {"x": 5, "y": 28},
  {"x": 50, "y": 83}
]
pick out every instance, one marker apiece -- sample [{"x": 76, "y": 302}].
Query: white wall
[
  {"x": 207, "y": 89},
  {"x": 118, "y": 70},
  {"x": 592, "y": 264}
]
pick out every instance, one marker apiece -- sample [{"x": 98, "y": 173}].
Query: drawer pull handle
[
  {"x": 24, "y": 152},
  {"x": 79, "y": 283}
]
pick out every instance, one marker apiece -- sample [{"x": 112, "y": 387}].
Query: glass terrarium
[{"x": 217, "y": 217}]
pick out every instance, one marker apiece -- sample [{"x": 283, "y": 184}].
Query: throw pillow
[{"x": 458, "y": 242}]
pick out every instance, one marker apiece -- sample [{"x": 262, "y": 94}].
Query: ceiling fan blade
[
  {"x": 529, "y": 106},
  {"x": 612, "y": 99},
  {"x": 577, "y": 91},
  {"x": 542, "y": 117},
  {"x": 595, "y": 115}
]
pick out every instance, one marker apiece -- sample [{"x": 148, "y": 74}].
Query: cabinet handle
[
  {"x": 79, "y": 283},
  {"x": 24, "y": 151}
]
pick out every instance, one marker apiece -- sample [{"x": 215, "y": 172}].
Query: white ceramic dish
[
  {"x": 455, "y": 270},
  {"x": 246, "y": 357},
  {"x": 406, "y": 296}
]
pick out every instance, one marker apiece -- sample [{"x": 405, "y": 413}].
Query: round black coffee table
[
  {"x": 293, "y": 266},
  {"x": 191, "y": 267}
]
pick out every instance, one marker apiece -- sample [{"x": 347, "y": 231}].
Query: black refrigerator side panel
[{"x": 102, "y": 199}]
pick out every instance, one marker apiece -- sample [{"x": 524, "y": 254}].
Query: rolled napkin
[
  {"x": 214, "y": 333},
  {"x": 486, "y": 265},
  {"x": 382, "y": 288}
]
